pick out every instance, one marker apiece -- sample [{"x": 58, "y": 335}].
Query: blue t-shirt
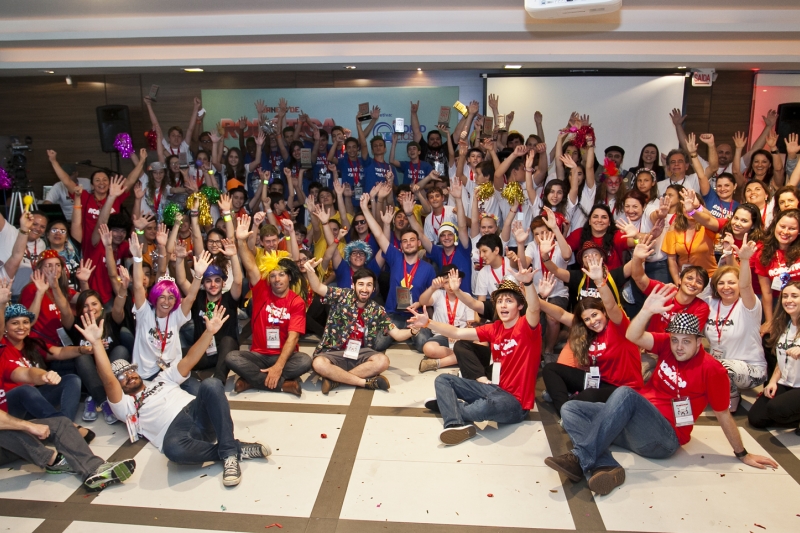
[
  {"x": 422, "y": 279},
  {"x": 414, "y": 172},
  {"x": 374, "y": 173},
  {"x": 461, "y": 258},
  {"x": 352, "y": 171},
  {"x": 717, "y": 208}
]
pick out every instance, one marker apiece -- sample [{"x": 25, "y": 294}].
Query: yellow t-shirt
[{"x": 321, "y": 244}]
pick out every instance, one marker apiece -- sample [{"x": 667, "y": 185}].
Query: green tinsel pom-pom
[
  {"x": 211, "y": 193},
  {"x": 170, "y": 211}
]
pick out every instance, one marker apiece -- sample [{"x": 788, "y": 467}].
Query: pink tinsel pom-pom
[
  {"x": 124, "y": 145},
  {"x": 5, "y": 180}
]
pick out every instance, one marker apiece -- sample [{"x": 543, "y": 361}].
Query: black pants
[
  {"x": 225, "y": 345},
  {"x": 562, "y": 380},
  {"x": 316, "y": 317},
  {"x": 474, "y": 360},
  {"x": 782, "y": 410}
]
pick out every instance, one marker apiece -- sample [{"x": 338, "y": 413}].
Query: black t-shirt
[
  {"x": 231, "y": 326},
  {"x": 111, "y": 334},
  {"x": 434, "y": 155},
  {"x": 580, "y": 281}
]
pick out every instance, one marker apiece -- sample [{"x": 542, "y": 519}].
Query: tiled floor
[{"x": 380, "y": 467}]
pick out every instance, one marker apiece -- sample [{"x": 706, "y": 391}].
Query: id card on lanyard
[
  {"x": 163, "y": 337},
  {"x": 353, "y": 347},
  {"x": 681, "y": 406},
  {"x": 592, "y": 378}
]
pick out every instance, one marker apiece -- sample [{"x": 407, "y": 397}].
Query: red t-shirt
[
  {"x": 91, "y": 213},
  {"x": 287, "y": 314},
  {"x": 614, "y": 258},
  {"x": 46, "y": 326},
  {"x": 617, "y": 357},
  {"x": 659, "y": 323},
  {"x": 100, "y": 281},
  {"x": 519, "y": 351},
  {"x": 776, "y": 267},
  {"x": 10, "y": 360},
  {"x": 702, "y": 378}
]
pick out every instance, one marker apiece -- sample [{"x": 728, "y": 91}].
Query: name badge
[
  {"x": 353, "y": 349},
  {"x": 273, "y": 338},
  {"x": 212, "y": 348},
  {"x": 683, "y": 412},
  {"x": 520, "y": 216},
  {"x": 718, "y": 353},
  {"x": 132, "y": 422},
  {"x": 163, "y": 365},
  {"x": 403, "y": 297},
  {"x": 776, "y": 283},
  {"x": 358, "y": 190},
  {"x": 592, "y": 378},
  {"x": 438, "y": 166},
  {"x": 63, "y": 337},
  {"x": 496, "y": 373}
]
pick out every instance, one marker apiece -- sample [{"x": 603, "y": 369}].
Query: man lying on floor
[
  {"x": 658, "y": 421},
  {"x": 188, "y": 429}
]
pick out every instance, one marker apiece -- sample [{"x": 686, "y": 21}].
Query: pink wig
[{"x": 160, "y": 288}]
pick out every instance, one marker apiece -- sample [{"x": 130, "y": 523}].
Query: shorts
[
  {"x": 337, "y": 358},
  {"x": 441, "y": 340}
]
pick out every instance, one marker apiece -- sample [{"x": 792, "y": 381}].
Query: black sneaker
[
  {"x": 89, "y": 437},
  {"x": 231, "y": 473},
  {"x": 456, "y": 434},
  {"x": 432, "y": 404},
  {"x": 377, "y": 383},
  {"x": 254, "y": 450},
  {"x": 567, "y": 464},
  {"x": 59, "y": 466},
  {"x": 109, "y": 474}
]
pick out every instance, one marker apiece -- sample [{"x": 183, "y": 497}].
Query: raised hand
[
  {"x": 438, "y": 282},
  {"x": 201, "y": 263},
  {"x": 568, "y": 162},
  {"x": 141, "y": 222},
  {"x": 537, "y": 117},
  {"x": 136, "y": 248},
  {"x": 414, "y": 107},
  {"x": 162, "y": 235},
  {"x": 117, "y": 186},
  {"x": 792, "y": 146},
  {"x": 546, "y": 285},
  {"x": 39, "y": 281},
  {"x": 524, "y": 276},
  {"x": 594, "y": 268},
  {"x": 772, "y": 140},
  {"x": 747, "y": 250},
  {"x": 707, "y": 138},
  {"x": 260, "y": 106},
  {"x": 243, "y": 228},
  {"x": 5, "y": 291},
  {"x": 258, "y": 218},
  {"x": 51, "y": 156},
  {"x": 123, "y": 279},
  {"x": 473, "y": 107},
  {"x": 547, "y": 244},
  {"x": 224, "y": 202},
  {"x": 643, "y": 250},
  {"x": 456, "y": 189},
  {"x": 311, "y": 265},
  {"x": 627, "y": 229},
  {"x": 418, "y": 320},
  {"x": 105, "y": 234},
  {"x": 677, "y": 117},
  {"x": 770, "y": 118},
  {"x": 690, "y": 201},
  {"x": 180, "y": 251},
  {"x": 691, "y": 143},
  {"x": 218, "y": 318},
  {"x": 387, "y": 215},
  {"x": 493, "y": 100},
  {"x": 138, "y": 190},
  {"x": 739, "y": 139},
  {"x": 288, "y": 226},
  {"x": 658, "y": 301},
  {"x": 453, "y": 281},
  {"x": 92, "y": 331},
  {"x": 283, "y": 107},
  {"x": 228, "y": 247},
  {"x": 85, "y": 270},
  {"x": 521, "y": 233}
]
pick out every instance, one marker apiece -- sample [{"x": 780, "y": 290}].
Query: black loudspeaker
[
  {"x": 112, "y": 120},
  {"x": 788, "y": 122}
]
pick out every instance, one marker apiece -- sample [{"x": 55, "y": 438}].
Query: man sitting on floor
[
  {"x": 659, "y": 420},
  {"x": 188, "y": 429},
  {"x": 347, "y": 351},
  {"x": 516, "y": 344}
]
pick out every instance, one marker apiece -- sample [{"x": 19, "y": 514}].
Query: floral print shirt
[{"x": 344, "y": 315}]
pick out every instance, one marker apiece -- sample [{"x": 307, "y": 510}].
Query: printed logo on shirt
[
  {"x": 670, "y": 372},
  {"x": 591, "y": 292},
  {"x": 154, "y": 389},
  {"x": 106, "y": 342},
  {"x": 720, "y": 322},
  {"x": 277, "y": 313},
  {"x": 155, "y": 340},
  {"x": 52, "y": 307},
  {"x": 506, "y": 348},
  {"x": 597, "y": 349},
  {"x": 777, "y": 271}
]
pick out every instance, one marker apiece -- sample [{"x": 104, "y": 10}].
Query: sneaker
[
  {"x": 606, "y": 479},
  {"x": 546, "y": 396},
  {"x": 108, "y": 414},
  {"x": 426, "y": 365},
  {"x": 89, "y": 410},
  {"x": 328, "y": 385},
  {"x": 567, "y": 464},
  {"x": 734, "y": 405},
  {"x": 432, "y": 404},
  {"x": 255, "y": 450},
  {"x": 59, "y": 466},
  {"x": 89, "y": 437},
  {"x": 231, "y": 473},
  {"x": 377, "y": 383},
  {"x": 456, "y": 434},
  {"x": 109, "y": 474}
]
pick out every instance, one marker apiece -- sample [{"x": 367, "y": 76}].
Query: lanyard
[
  {"x": 451, "y": 313},
  {"x": 691, "y": 244},
  {"x": 409, "y": 279},
  {"x": 395, "y": 242},
  {"x": 415, "y": 173},
  {"x": 358, "y": 327},
  {"x": 498, "y": 280},
  {"x": 433, "y": 221},
  {"x": 355, "y": 169},
  {"x": 786, "y": 344},
  {"x": 764, "y": 214},
  {"x": 163, "y": 337},
  {"x": 471, "y": 175},
  {"x": 157, "y": 200},
  {"x": 541, "y": 260},
  {"x": 447, "y": 260},
  {"x": 716, "y": 322}
]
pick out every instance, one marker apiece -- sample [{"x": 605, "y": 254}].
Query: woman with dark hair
[
  {"x": 785, "y": 198},
  {"x": 360, "y": 232},
  {"x": 744, "y": 222},
  {"x": 598, "y": 343},
  {"x": 600, "y": 229},
  {"x": 650, "y": 159},
  {"x": 554, "y": 197},
  {"x": 780, "y": 403},
  {"x": 757, "y": 193},
  {"x": 57, "y": 235},
  {"x": 688, "y": 242},
  {"x": 173, "y": 169},
  {"x": 611, "y": 192},
  {"x": 582, "y": 188},
  {"x": 778, "y": 257},
  {"x": 765, "y": 166}
]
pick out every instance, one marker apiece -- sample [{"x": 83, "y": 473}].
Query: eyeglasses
[
  {"x": 57, "y": 231},
  {"x": 217, "y": 242},
  {"x": 124, "y": 376},
  {"x": 359, "y": 222}
]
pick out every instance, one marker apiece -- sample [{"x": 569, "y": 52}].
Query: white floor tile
[
  {"x": 408, "y": 388},
  {"x": 788, "y": 438},
  {"x": 24, "y": 481},
  {"x": 289, "y": 434},
  {"x": 423, "y": 492},
  {"x": 20, "y": 525},
  {"x": 83, "y": 527}
]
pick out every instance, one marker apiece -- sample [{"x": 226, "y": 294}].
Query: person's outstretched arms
[
  {"x": 657, "y": 303},
  {"x": 198, "y": 349},
  {"x": 93, "y": 333}
]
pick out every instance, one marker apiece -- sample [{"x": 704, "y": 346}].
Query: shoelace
[{"x": 231, "y": 466}]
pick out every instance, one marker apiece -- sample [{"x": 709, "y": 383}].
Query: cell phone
[
  {"x": 399, "y": 125},
  {"x": 153, "y": 92}
]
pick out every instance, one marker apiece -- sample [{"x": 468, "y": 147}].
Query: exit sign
[{"x": 703, "y": 78}]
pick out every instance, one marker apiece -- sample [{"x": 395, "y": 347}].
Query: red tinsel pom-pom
[{"x": 152, "y": 139}]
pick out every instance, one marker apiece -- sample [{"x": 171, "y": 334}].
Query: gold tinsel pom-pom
[
  {"x": 512, "y": 193},
  {"x": 204, "y": 217},
  {"x": 484, "y": 191}
]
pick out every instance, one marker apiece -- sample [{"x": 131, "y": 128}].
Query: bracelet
[
  {"x": 693, "y": 155},
  {"x": 528, "y": 169},
  {"x": 121, "y": 296},
  {"x": 635, "y": 241},
  {"x": 528, "y": 284},
  {"x": 265, "y": 182},
  {"x": 269, "y": 211},
  {"x": 228, "y": 212},
  {"x": 227, "y": 218},
  {"x": 288, "y": 238},
  {"x": 200, "y": 277},
  {"x": 161, "y": 255},
  {"x": 699, "y": 209},
  {"x": 741, "y": 454},
  {"x": 24, "y": 232},
  {"x": 139, "y": 231},
  {"x": 137, "y": 259},
  {"x": 601, "y": 285},
  {"x": 194, "y": 213},
  {"x": 335, "y": 241}
]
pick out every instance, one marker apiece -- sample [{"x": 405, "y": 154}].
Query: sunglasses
[
  {"x": 359, "y": 222},
  {"x": 124, "y": 376}
]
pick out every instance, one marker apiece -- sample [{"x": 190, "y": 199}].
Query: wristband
[
  {"x": 288, "y": 238},
  {"x": 137, "y": 259},
  {"x": 740, "y": 455},
  {"x": 194, "y": 213},
  {"x": 227, "y": 218},
  {"x": 199, "y": 277},
  {"x": 269, "y": 211},
  {"x": 528, "y": 284},
  {"x": 693, "y": 155},
  {"x": 24, "y": 232},
  {"x": 635, "y": 241},
  {"x": 693, "y": 211},
  {"x": 335, "y": 241},
  {"x": 139, "y": 232},
  {"x": 228, "y": 212},
  {"x": 265, "y": 182},
  {"x": 528, "y": 169},
  {"x": 601, "y": 285},
  {"x": 426, "y": 323}
]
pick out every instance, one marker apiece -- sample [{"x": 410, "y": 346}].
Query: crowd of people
[{"x": 642, "y": 295}]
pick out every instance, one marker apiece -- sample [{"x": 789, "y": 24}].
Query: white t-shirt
[
  {"x": 690, "y": 182},
  {"x": 713, "y": 179},
  {"x": 490, "y": 205},
  {"x": 789, "y": 367},
  {"x": 467, "y": 190},
  {"x": 462, "y": 312},
  {"x": 740, "y": 339},
  {"x": 58, "y": 194},
  {"x": 183, "y": 148},
  {"x": 147, "y": 346},
  {"x": 159, "y": 404},
  {"x": 527, "y": 210},
  {"x": 532, "y": 251},
  {"x": 647, "y": 227},
  {"x": 146, "y": 209},
  {"x": 578, "y": 214},
  {"x": 432, "y": 223},
  {"x": 489, "y": 278}
]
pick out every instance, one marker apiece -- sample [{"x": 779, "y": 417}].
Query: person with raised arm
[
  {"x": 516, "y": 345},
  {"x": 656, "y": 421},
  {"x": 688, "y": 242},
  {"x": 766, "y": 165},
  {"x": 279, "y": 318},
  {"x": 718, "y": 199},
  {"x": 432, "y": 151}
]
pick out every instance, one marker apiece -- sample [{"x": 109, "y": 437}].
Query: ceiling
[{"x": 105, "y": 36}]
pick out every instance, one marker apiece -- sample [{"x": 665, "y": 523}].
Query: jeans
[
  {"x": 225, "y": 345},
  {"x": 474, "y": 360},
  {"x": 86, "y": 369},
  {"x": 382, "y": 342},
  {"x": 248, "y": 366},
  {"x": 45, "y": 401},
  {"x": 627, "y": 419},
  {"x": 203, "y": 431},
  {"x": 562, "y": 380},
  {"x": 126, "y": 338},
  {"x": 481, "y": 402}
]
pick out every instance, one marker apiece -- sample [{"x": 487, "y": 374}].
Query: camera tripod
[{"x": 16, "y": 204}]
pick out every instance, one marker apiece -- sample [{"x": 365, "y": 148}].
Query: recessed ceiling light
[
  {"x": 513, "y": 67},
  {"x": 682, "y": 68},
  {"x": 350, "y": 67},
  {"x": 193, "y": 69},
  {"x": 419, "y": 69},
  {"x": 49, "y": 71},
  {"x": 765, "y": 90}
]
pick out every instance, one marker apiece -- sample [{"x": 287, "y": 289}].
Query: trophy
[
  {"x": 444, "y": 117},
  {"x": 501, "y": 123},
  {"x": 153, "y": 92},
  {"x": 268, "y": 126},
  {"x": 399, "y": 125},
  {"x": 363, "y": 112},
  {"x": 461, "y": 108},
  {"x": 486, "y": 130},
  {"x": 305, "y": 158}
]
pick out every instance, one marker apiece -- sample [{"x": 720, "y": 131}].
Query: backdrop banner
[{"x": 330, "y": 107}]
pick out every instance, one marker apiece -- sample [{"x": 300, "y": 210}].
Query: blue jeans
[
  {"x": 46, "y": 401},
  {"x": 627, "y": 419},
  {"x": 400, "y": 320},
  {"x": 203, "y": 431},
  {"x": 481, "y": 402}
]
